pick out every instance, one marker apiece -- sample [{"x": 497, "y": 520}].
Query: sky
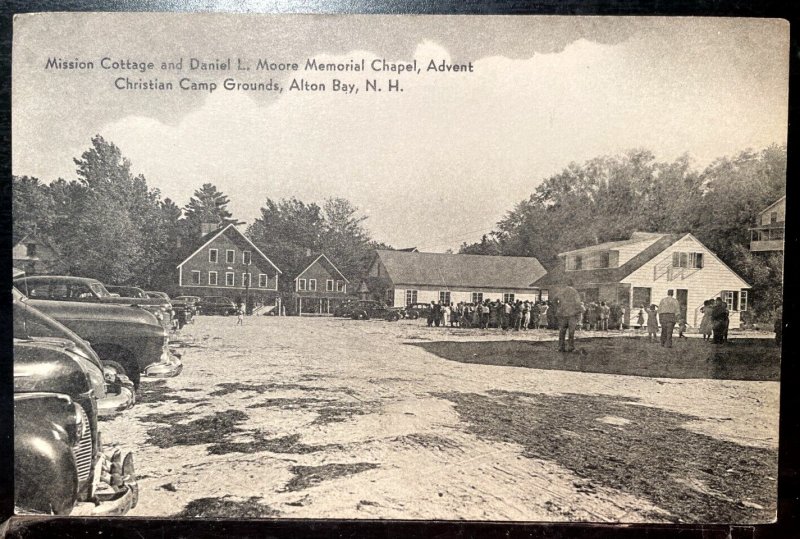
[{"x": 433, "y": 166}]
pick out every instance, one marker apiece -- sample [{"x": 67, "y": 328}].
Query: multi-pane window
[
  {"x": 195, "y": 277},
  {"x": 245, "y": 257},
  {"x": 687, "y": 260},
  {"x": 245, "y": 279},
  {"x": 30, "y": 249},
  {"x": 508, "y": 298},
  {"x": 212, "y": 278},
  {"x": 301, "y": 284},
  {"x": 230, "y": 256},
  {"x": 731, "y": 297},
  {"x": 444, "y": 297},
  {"x": 477, "y": 297},
  {"x": 411, "y": 297},
  {"x": 230, "y": 278},
  {"x": 329, "y": 285},
  {"x": 544, "y": 295},
  {"x": 390, "y": 298},
  {"x": 212, "y": 256},
  {"x": 340, "y": 286},
  {"x": 743, "y": 300},
  {"x": 312, "y": 285},
  {"x": 262, "y": 280},
  {"x": 605, "y": 259}
]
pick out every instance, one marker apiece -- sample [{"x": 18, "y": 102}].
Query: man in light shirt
[
  {"x": 568, "y": 311},
  {"x": 668, "y": 312}
]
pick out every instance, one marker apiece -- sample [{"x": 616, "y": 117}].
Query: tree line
[
  {"x": 608, "y": 198},
  {"x": 110, "y": 225}
]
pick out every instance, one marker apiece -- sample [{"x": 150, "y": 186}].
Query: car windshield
[{"x": 100, "y": 290}]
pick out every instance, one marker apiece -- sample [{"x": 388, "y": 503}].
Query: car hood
[
  {"x": 47, "y": 366},
  {"x": 79, "y": 310}
]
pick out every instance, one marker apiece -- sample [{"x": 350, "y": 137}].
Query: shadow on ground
[
  {"x": 644, "y": 451},
  {"x": 739, "y": 359}
]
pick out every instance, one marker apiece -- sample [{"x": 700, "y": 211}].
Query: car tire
[
  {"x": 394, "y": 317},
  {"x": 119, "y": 368},
  {"x": 362, "y": 315},
  {"x": 413, "y": 315}
]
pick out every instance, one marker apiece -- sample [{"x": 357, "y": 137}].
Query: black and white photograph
[{"x": 398, "y": 267}]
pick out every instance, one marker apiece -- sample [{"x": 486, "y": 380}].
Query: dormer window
[{"x": 605, "y": 259}]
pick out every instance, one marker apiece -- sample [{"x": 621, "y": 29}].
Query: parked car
[
  {"x": 187, "y": 302},
  {"x": 67, "y": 288},
  {"x": 127, "y": 291},
  {"x": 59, "y": 464},
  {"x": 128, "y": 339},
  {"x": 364, "y": 310},
  {"x": 31, "y": 325},
  {"x": 345, "y": 308},
  {"x": 217, "y": 305},
  {"x": 155, "y": 294},
  {"x": 417, "y": 310}
]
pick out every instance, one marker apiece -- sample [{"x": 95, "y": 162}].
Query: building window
[
  {"x": 30, "y": 249},
  {"x": 544, "y": 295},
  {"x": 230, "y": 256},
  {"x": 195, "y": 277},
  {"x": 212, "y": 256},
  {"x": 411, "y": 297},
  {"x": 246, "y": 279},
  {"x": 773, "y": 217},
  {"x": 340, "y": 286},
  {"x": 743, "y": 300},
  {"x": 230, "y": 278},
  {"x": 508, "y": 298},
  {"x": 687, "y": 260},
  {"x": 329, "y": 285},
  {"x": 731, "y": 297},
  {"x": 212, "y": 278},
  {"x": 477, "y": 297},
  {"x": 245, "y": 257},
  {"x": 605, "y": 259},
  {"x": 390, "y": 298},
  {"x": 301, "y": 284},
  {"x": 262, "y": 280},
  {"x": 575, "y": 262},
  {"x": 444, "y": 297},
  {"x": 312, "y": 285}
]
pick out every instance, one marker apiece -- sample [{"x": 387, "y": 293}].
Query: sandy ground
[{"x": 334, "y": 418}]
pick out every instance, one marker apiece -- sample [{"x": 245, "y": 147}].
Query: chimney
[{"x": 207, "y": 227}]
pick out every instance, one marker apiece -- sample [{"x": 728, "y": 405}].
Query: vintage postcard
[{"x": 398, "y": 267}]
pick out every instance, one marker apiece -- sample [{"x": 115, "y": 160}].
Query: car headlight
[
  {"x": 80, "y": 424},
  {"x": 95, "y": 375}
]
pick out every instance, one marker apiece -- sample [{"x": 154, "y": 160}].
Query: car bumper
[
  {"x": 115, "y": 489},
  {"x": 167, "y": 367},
  {"x": 114, "y": 404}
]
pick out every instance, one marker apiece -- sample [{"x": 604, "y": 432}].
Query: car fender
[{"x": 46, "y": 479}]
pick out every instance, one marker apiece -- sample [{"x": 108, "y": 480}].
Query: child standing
[
  {"x": 652, "y": 323},
  {"x": 239, "y": 317}
]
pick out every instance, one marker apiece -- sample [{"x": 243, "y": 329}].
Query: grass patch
[
  {"x": 228, "y": 388},
  {"x": 695, "y": 477},
  {"x": 169, "y": 418},
  {"x": 205, "y": 430},
  {"x": 739, "y": 359},
  {"x": 283, "y": 444},
  {"x": 287, "y": 403},
  {"x": 310, "y": 476},
  {"x": 226, "y": 507},
  {"x": 157, "y": 392}
]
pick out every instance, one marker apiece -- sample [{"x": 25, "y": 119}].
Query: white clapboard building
[
  {"x": 639, "y": 271},
  {"x": 406, "y": 277}
]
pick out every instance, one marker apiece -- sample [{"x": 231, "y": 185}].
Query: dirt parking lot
[{"x": 335, "y": 418}]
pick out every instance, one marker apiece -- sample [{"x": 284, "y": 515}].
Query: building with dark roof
[
  {"x": 406, "y": 277},
  {"x": 320, "y": 287},
  {"x": 226, "y": 263},
  {"x": 639, "y": 271}
]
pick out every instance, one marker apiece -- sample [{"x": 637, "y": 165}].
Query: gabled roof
[
  {"x": 452, "y": 270},
  {"x": 609, "y": 275},
  {"x": 636, "y": 237},
  {"x": 783, "y": 198},
  {"x": 211, "y": 236},
  {"x": 314, "y": 260}
]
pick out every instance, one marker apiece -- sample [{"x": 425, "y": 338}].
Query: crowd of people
[{"x": 567, "y": 312}]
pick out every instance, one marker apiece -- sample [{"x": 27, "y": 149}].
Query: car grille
[{"x": 83, "y": 450}]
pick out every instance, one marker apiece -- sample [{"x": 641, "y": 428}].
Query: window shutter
[{"x": 676, "y": 260}]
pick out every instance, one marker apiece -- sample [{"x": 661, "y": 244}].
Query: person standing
[
  {"x": 239, "y": 316},
  {"x": 605, "y": 311},
  {"x": 652, "y": 323},
  {"x": 431, "y": 313},
  {"x": 668, "y": 312},
  {"x": 568, "y": 311},
  {"x": 544, "y": 314},
  {"x": 437, "y": 313},
  {"x": 640, "y": 318},
  {"x": 526, "y": 315},
  {"x": 706, "y": 326},
  {"x": 446, "y": 315},
  {"x": 719, "y": 321}
]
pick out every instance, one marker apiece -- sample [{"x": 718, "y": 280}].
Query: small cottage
[{"x": 320, "y": 287}]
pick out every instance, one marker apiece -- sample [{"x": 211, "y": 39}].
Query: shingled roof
[
  {"x": 607, "y": 275},
  {"x": 468, "y": 271}
]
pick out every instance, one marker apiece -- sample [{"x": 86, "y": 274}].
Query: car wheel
[
  {"x": 414, "y": 315},
  {"x": 393, "y": 317},
  {"x": 118, "y": 368}
]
